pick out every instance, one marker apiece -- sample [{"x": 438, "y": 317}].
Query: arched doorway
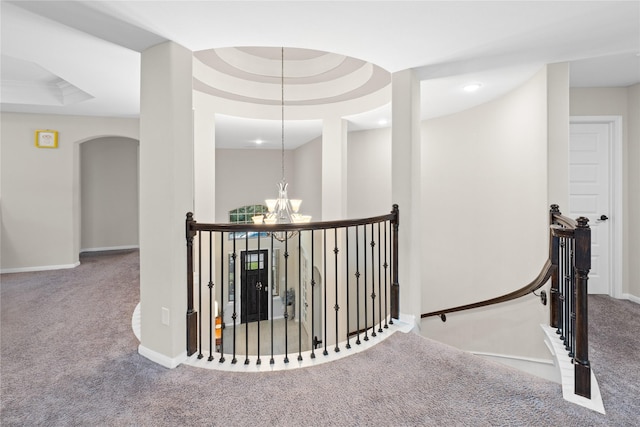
[{"x": 109, "y": 194}]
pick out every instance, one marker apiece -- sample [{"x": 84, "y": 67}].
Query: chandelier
[{"x": 282, "y": 210}]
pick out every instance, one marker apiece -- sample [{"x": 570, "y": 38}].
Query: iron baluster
[
  {"x": 346, "y": 239},
  {"x": 259, "y": 289},
  {"x": 234, "y": 316},
  {"x": 386, "y": 325},
  {"x": 272, "y": 360},
  {"x": 211, "y": 313},
  {"x": 300, "y": 296},
  {"x": 286, "y": 303},
  {"x": 336, "y": 306},
  {"x": 221, "y": 307},
  {"x": 324, "y": 237},
  {"x": 357, "y": 288},
  {"x": 379, "y": 281},
  {"x": 313, "y": 301},
  {"x": 200, "y": 356},
  {"x": 373, "y": 284},
  {"x": 364, "y": 268}
]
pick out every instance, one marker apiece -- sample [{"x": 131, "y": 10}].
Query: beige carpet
[{"x": 68, "y": 357}]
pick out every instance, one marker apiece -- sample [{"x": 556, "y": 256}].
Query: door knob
[{"x": 603, "y": 218}]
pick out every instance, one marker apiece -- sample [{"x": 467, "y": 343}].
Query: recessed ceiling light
[
  {"x": 259, "y": 141},
  {"x": 472, "y": 87},
  {"x": 382, "y": 122}
]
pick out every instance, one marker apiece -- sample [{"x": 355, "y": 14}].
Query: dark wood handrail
[
  {"x": 561, "y": 226},
  {"x": 536, "y": 284},
  {"x": 269, "y": 228}
]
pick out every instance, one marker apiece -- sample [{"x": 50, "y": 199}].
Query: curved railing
[
  {"x": 568, "y": 268},
  {"x": 256, "y": 289}
]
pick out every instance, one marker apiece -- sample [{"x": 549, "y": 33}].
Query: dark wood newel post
[
  {"x": 395, "y": 286},
  {"x": 554, "y": 254},
  {"x": 582, "y": 267},
  {"x": 192, "y": 316}
]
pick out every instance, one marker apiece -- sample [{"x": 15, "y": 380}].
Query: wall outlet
[{"x": 165, "y": 316}]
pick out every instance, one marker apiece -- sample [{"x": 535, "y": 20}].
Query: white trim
[
  {"x": 409, "y": 322},
  {"x": 543, "y": 368},
  {"x": 161, "y": 359},
  {"x": 631, "y": 298},
  {"x": 136, "y": 322},
  {"x": 110, "y": 248},
  {"x": 39, "y": 268},
  {"x": 615, "y": 202},
  {"x": 294, "y": 363},
  {"x": 567, "y": 373}
]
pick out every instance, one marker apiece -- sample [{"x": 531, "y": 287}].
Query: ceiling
[{"x": 83, "y": 57}]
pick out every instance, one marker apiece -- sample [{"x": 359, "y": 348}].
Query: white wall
[
  {"x": 625, "y": 102},
  {"x": 369, "y": 173},
  {"x": 307, "y": 177},
  {"x": 248, "y": 177},
  {"x": 109, "y": 193},
  {"x": 40, "y": 190},
  {"x": 485, "y": 219}
]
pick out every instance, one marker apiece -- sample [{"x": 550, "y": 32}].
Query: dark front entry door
[{"x": 254, "y": 289}]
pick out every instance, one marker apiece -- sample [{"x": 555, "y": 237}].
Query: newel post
[
  {"x": 582, "y": 267},
  {"x": 395, "y": 286},
  {"x": 192, "y": 316},
  {"x": 554, "y": 255}
]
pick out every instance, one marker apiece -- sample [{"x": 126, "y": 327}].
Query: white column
[
  {"x": 334, "y": 169},
  {"x": 166, "y": 195},
  {"x": 334, "y": 207},
  {"x": 406, "y": 188},
  {"x": 205, "y": 167},
  {"x": 558, "y": 135}
]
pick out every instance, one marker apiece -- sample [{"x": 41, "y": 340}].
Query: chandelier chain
[{"x": 282, "y": 106}]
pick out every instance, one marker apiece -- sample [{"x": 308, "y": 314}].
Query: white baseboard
[
  {"x": 39, "y": 268},
  {"x": 161, "y": 359},
  {"x": 539, "y": 367},
  {"x": 631, "y": 298},
  {"x": 110, "y": 248}
]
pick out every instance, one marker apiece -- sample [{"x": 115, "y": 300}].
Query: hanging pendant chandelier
[{"x": 282, "y": 210}]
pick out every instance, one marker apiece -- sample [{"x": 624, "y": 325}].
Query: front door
[
  {"x": 589, "y": 185},
  {"x": 254, "y": 285}
]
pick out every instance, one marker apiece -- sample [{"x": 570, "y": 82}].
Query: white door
[{"x": 589, "y": 184}]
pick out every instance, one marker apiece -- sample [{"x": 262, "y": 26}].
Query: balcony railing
[{"x": 256, "y": 289}]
